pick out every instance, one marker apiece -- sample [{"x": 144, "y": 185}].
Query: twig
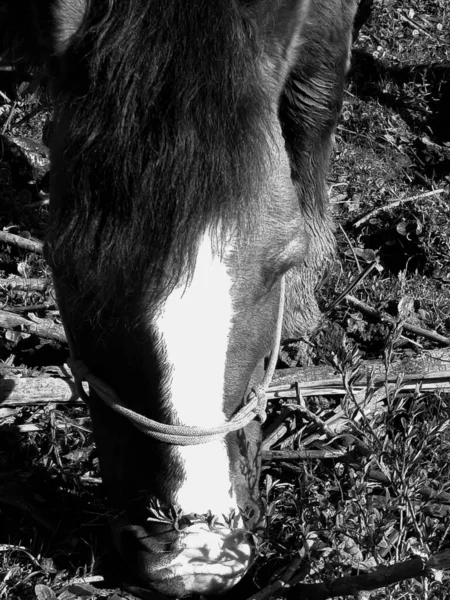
[
  {"x": 10, "y": 116},
  {"x": 413, "y": 24},
  {"x": 421, "y": 366},
  {"x": 351, "y": 247},
  {"x": 20, "y": 242},
  {"x": 88, "y": 579},
  {"x": 277, "y": 429},
  {"x": 394, "y": 204},
  {"x": 31, "y": 307},
  {"x": 320, "y": 423},
  {"x": 303, "y": 454},
  {"x": 351, "y": 286},
  {"x": 23, "y": 391},
  {"x": 431, "y": 370},
  {"x": 378, "y": 578},
  {"x": 29, "y": 116},
  {"x": 276, "y": 585},
  {"x": 10, "y": 547},
  {"x": 381, "y": 316},
  {"x": 23, "y": 284},
  {"x": 36, "y": 427}
]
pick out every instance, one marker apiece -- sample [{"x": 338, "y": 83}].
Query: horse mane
[{"x": 166, "y": 137}]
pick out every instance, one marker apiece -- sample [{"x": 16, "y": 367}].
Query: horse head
[{"x": 189, "y": 149}]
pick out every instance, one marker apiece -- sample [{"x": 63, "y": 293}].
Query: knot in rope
[
  {"x": 180, "y": 435},
  {"x": 258, "y": 398}
]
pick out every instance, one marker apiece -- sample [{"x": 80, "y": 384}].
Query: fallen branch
[
  {"x": 314, "y": 454},
  {"x": 378, "y": 578},
  {"x": 22, "y": 391},
  {"x": 394, "y": 204},
  {"x": 32, "y": 307},
  {"x": 413, "y": 24},
  {"x": 44, "y": 328},
  {"x": 381, "y": 316},
  {"x": 21, "y": 242},
  {"x": 433, "y": 362},
  {"x": 351, "y": 286},
  {"x": 299, "y": 566},
  {"x": 23, "y": 284},
  {"x": 430, "y": 369},
  {"x": 34, "y": 427},
  {"x": 277, "y": 429}
]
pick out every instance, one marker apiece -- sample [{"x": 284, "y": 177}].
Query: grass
[
  {"x": 388, "y": 497},
  {"x": 384, "y": 502}
]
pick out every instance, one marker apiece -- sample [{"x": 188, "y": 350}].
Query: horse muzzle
[{"x": 198, "y": 559}]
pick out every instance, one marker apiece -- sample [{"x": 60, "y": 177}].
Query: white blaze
[{"x": 194, "y": 326}]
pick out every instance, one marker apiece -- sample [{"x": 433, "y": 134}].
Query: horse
[{"x": 189, "y": 152}]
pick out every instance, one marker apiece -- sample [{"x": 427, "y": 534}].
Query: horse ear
[
  {"x": 283, "y": 25},
  {"x": 31, "y": 32},
  {"x": 67, "y": 15}
]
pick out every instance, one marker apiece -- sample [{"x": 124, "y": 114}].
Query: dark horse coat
[{"x": 190, "y": 145}]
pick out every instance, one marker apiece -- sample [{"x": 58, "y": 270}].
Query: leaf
[
  {"x": 389, "y": 138},
  {"x": 364, "y": 254},
  {"x": 66, "y": 595},
  {"x": 43, "y": 592},
  {"x": 48, "y": 565},
  {"x": 13, "y": 573},
  {"x": 22, "y": 268},
  {"x": 402, "y": 228},
  {"x": 406, "y": 307},
  {"x": 13, "y": 336},
  {"x": 83, "y": 590},
  {"x": 78, "y": 454},
  {"x": 369, "y": 255}
]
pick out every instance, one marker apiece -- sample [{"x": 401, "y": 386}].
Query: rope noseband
[{"x": 181, "y": 435}]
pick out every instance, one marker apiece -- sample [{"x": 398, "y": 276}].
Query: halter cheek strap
[{"x": 181, "y": 435}]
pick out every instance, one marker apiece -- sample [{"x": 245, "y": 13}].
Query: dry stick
[
  {"x": 413, "y": 24},
  {"x": 19, "y": 390},
  {"x": 432, "y": 361},
  {"x": 431, "y": 368},
  {"x": 339, "y": 422},
  {"x": 20, "y": 242},
  {"x": 351, "y": 247},
  {"x": 44, "y": 329},
  {"x": 378, "y": 578},
  {"x": 277, "y": 429},
  {"x": 276, "y": 585},
  {"x": 381, "y": 316},
  {"x": 321, "y": 424},
  {"x": 315, "y": 454},
  {"x": 35, "y": 427},
  {"x": 22, "y": 391},
  {"x": 10, "y": 116},
  {"x": 394, "y": 204},
  {"x": 23, "y": 284},
  {"x": 31, "y": 307},
  {"x": 351, "y": 286}
]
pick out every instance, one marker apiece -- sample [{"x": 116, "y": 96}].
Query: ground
[{"x": 388, "y": 498}]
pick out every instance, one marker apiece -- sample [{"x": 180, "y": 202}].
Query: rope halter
[{"x": 182, "y": 435}]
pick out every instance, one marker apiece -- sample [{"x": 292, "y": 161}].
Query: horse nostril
[{"x": 195, "y": 560}]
